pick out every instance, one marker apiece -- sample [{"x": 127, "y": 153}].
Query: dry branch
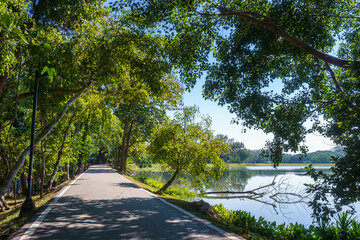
[{"x": 253, "y": 191}]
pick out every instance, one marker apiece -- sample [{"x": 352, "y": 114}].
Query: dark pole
[
  {"x": 28, "y": 206},
  {"x": 73, "y": 165}
]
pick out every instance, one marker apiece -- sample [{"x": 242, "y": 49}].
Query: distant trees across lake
[{"x": 239, "y": 154}]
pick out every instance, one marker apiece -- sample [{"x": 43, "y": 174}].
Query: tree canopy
[
  {"x": 90, "y": 61},
  {"x": 276, "y": 65},
  {"x": 187, "y": 145}
]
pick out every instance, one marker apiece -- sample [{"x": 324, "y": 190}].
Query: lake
[{"x": 284, "y": 208}]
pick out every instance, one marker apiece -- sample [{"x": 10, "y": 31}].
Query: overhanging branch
[{"x": 269, "y": 24}]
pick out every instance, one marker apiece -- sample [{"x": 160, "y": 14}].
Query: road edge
[
  {"x": 207, "y": 223},
  {"x": 28, "y": 229}
]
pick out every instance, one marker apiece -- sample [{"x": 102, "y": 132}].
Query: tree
[
  {"x": 276, "y": 65},
  {"x": 43, "y": 44},
  {"x": 237, "y": 153},
  {"x": 142, "y": 111},
  {"x": 79, "y": 50},
  {"x": 186, "y": 146}
]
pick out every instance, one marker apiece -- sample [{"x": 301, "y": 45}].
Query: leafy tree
[
  {"x": 141, "y": 111},
  {"x": 308, "y": 49},
  {"x": 141, "y": 156},
  {"x": 237, "y": 153},
  {"x": 79, "y": 50},
  {"x": 184, "y": 145}
]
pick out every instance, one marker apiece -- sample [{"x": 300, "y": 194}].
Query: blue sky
[{"x": 253, "y": 139}]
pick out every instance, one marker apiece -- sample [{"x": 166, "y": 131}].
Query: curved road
[{"x": 101, "y": 204}]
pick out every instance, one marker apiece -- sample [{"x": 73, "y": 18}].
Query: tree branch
[
  {"x": 253, "y": 191},
  {"x": 337, "y": 84},
  {"x": 272, "y": 26},
  {"x": 53, "y": 91}
]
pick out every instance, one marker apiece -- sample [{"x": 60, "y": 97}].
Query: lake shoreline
[{"x": 157, "y": 167}]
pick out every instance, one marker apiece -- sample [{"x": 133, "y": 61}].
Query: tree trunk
[
  {"x": 116, "y": 157},
  {"x": 123, "y": 146},
  {"x": 118, "y": 152},
  {"x": 5, "y": 184},
  {"x": 168, "y": 184},
  {"x": 60, "y": 153},
  {"x": 68, "y": 170}
]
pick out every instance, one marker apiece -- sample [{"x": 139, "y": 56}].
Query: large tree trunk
[
  {"x": 60, "y": 154},
  {"x": 117, "y": 157},
  {"x": 168, "y": 184},
  {"x": 125, "y": 145},
  {"x": 5, "y": 184}
]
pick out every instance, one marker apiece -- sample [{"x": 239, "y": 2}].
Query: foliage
[
  {"x": 90, "y": 61},
  {"x": 185, "y": 145},
  {"x": 237, "y": 152},
  {"x": 141, "y": 157},
  {"x": 275, "y": 64},
  {"x": 344, "y": 228},
  {"x": 342, "y": 186},
  {"x": 142, "y": 111}
]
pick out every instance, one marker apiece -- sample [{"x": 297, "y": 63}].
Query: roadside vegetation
[
  {"x": 10, "y": 221},
  {"x": 344, "y": 227},
  {"x": 243, "y": 223}
]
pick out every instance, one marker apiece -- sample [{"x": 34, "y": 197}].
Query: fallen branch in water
[{"x": 253, "y": 191}]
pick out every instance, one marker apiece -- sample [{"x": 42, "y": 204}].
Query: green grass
[
  {"x": 182, "y": 192},
  {"x": 10, "y": 221},
  {"x": 154, "y": 168}
]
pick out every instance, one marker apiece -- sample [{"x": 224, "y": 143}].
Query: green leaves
[
  {"x": 51, "y": 72},
  {"x": 188, "y": 146},
  {"x": 5, "y": 20},
  {"x": 47, "y": 47}
]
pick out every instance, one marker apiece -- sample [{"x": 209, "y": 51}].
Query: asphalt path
[{"x": 101, "y": 204}]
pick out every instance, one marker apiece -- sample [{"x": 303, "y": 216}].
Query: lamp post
[{"x": 28, "y": 206}]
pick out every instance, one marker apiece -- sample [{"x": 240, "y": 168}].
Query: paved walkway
[{"x": 101, "y": 204}]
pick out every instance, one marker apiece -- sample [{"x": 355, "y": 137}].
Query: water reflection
[{"x": 247, "y": 178}]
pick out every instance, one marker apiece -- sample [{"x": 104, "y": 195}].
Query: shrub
[{"x": 345, "y": 228}]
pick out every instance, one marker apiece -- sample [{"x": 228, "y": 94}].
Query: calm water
[{"x": 283, "y": 209}]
